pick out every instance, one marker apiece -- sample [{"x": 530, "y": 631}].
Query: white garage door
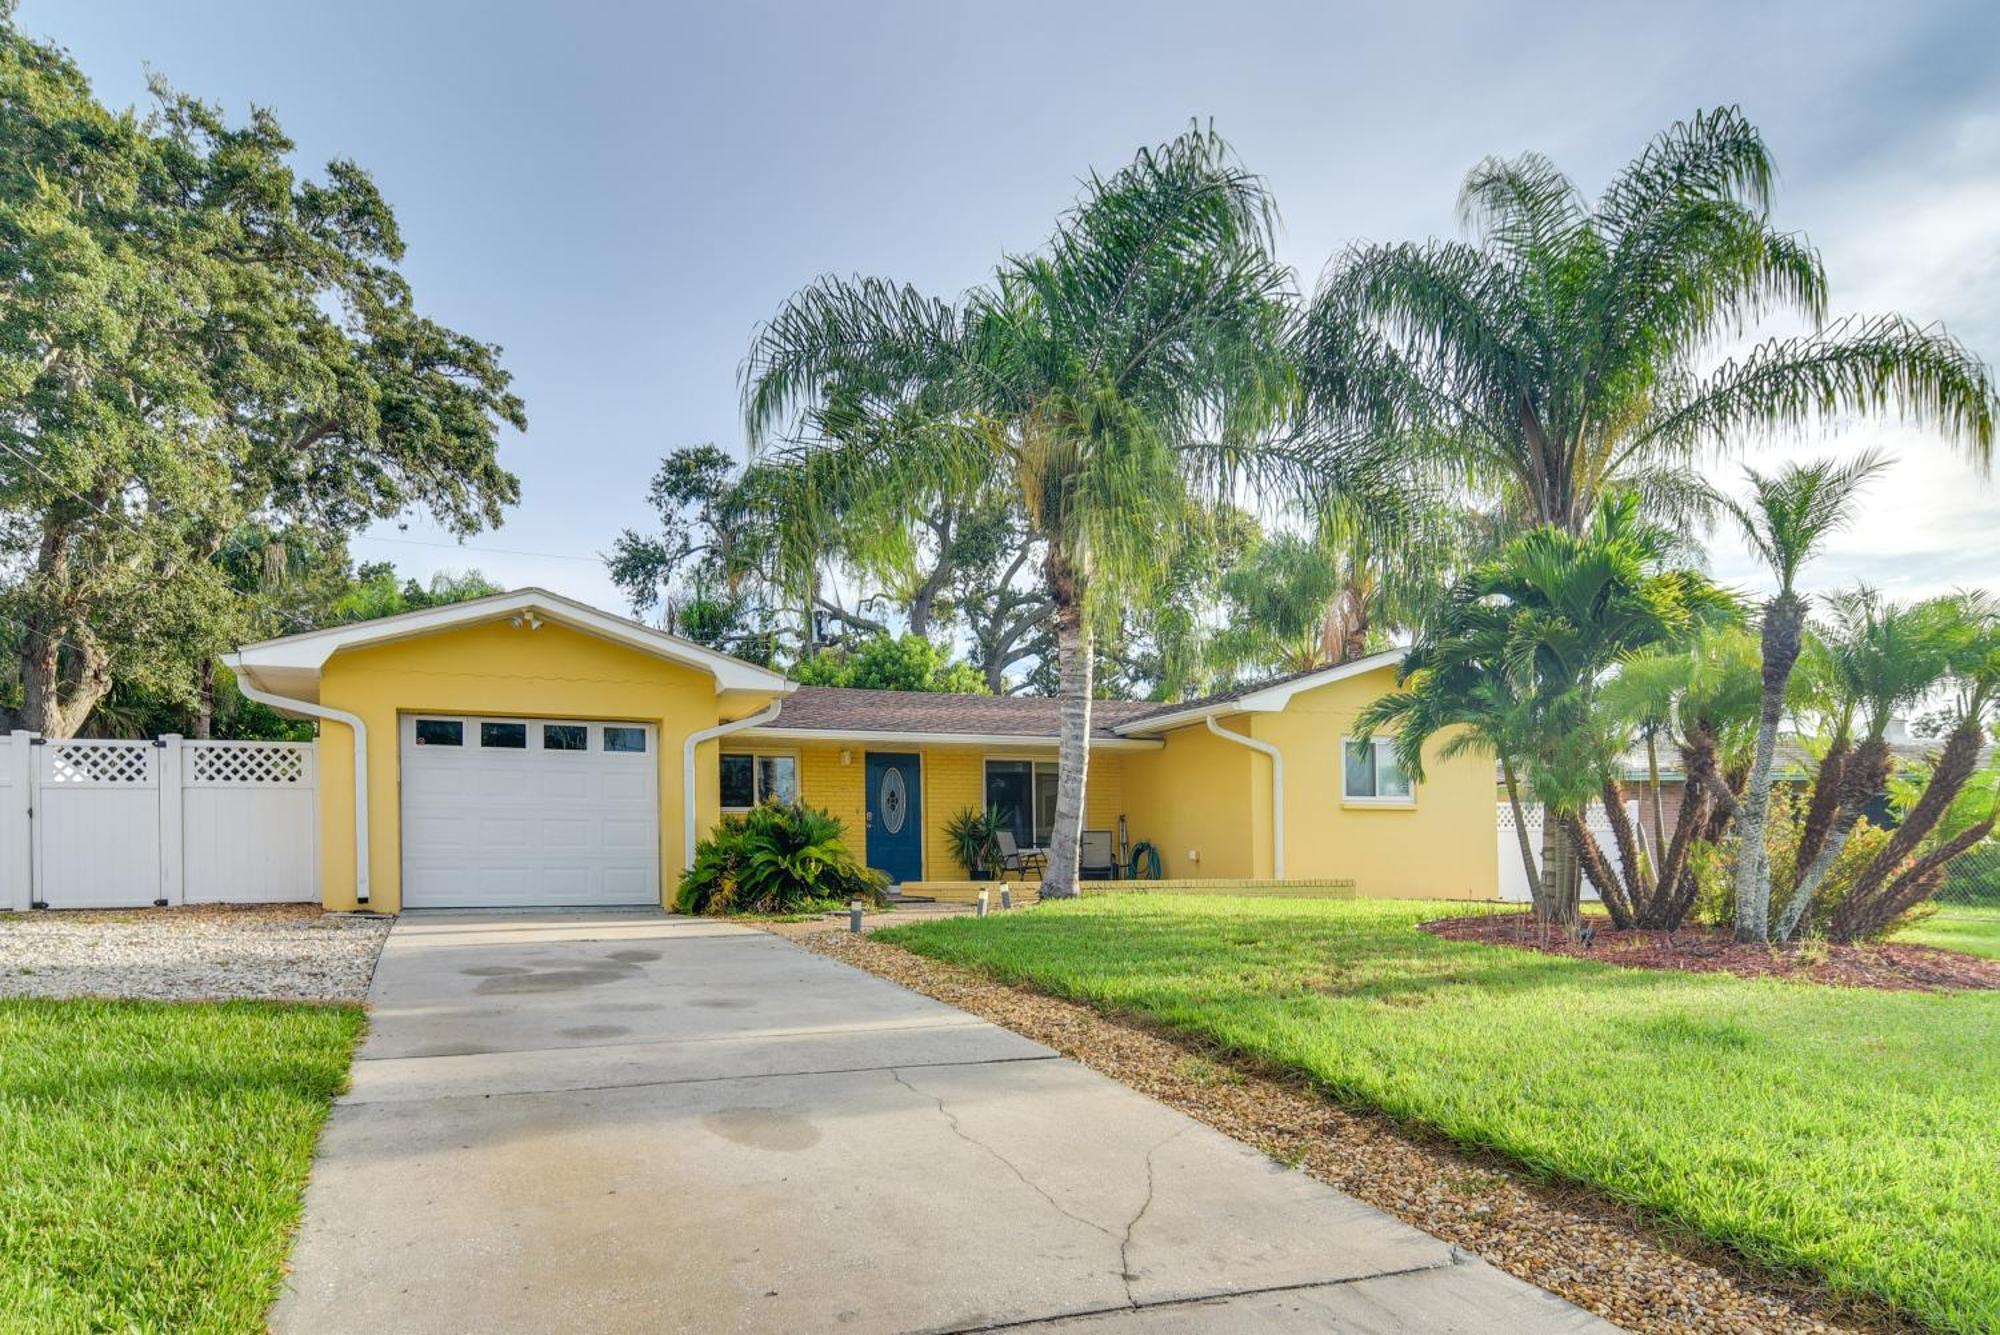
[{"x": 507, "y": 812}]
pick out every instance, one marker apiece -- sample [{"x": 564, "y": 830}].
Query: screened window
[
  {"x": 440, "y": 732},
  {"x": 625, "y": 739},
  {"x": 504, "y": 736},
  {"x": 1371, "y": 773},
  {"x": 1025, "y": 793},
  {"x": 565, "y": 737},
  {"x": 748, "y": 780}
]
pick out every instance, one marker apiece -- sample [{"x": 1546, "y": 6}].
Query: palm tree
[
  {"x": 1900, "y": 875},
  {"x": 1519, "y": 657},
  {"x": 1559, "y": 356},
  {"x": 1789, "y": 517},
  {"x": 1139, "y": 350},
  {"x": 1872, "y": 658}
]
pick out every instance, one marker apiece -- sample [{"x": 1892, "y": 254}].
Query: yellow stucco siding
[
  {"x": 1198, "y": 802},
  {"x": 1440, "y": 845},
  {"x": 954, "y": 778},
  {"x": 1203, "y": 793},
  {"x": 497, "y": 668}
]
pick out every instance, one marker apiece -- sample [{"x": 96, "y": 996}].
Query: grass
[
  {"x": 1976, "y": 931},
  {"x": 155, "y": 1155},
  {"x": 1850, "y": 1134}
]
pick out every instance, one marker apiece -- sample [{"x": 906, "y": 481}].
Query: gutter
[
  {"x": 694, "y": 739},
  {"x": 360, "y": 729},
  {"x": 1277, "y": 789}
]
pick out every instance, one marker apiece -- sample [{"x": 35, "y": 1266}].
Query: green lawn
[
  {"x": 152, "y": 1157},
  {"x": 1850, "y": 1133},
  {"x": 1976, "y": 931}
]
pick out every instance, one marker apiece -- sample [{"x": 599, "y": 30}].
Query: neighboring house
[{"x": 526, "y": 749}]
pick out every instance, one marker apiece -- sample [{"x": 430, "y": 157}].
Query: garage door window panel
[
  {"x": 440, "y": 732},
  {"x": 565, "y": 737},
  {"x": 503, "y": 736}
]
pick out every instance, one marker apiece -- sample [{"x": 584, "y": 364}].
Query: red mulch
[{"x": 1695, "y": 949}]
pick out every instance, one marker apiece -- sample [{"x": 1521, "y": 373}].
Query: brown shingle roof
[{"x": 836, "y": 709}]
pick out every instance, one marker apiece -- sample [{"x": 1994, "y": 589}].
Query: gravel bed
[
  {"x": 281, "y": 952},
  {"x": 1569, "y": 1241}
]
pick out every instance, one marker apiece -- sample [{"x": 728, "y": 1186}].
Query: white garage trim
[{"x": 511, "y": 812}]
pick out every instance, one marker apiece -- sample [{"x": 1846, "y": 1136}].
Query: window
[
  {"x": 748, "y": 780},
  {"x": 440, "y": 732},
  {"x": 1025, "y": 793},
  {"x": 625, "y": 739},
  {"x": 504, "y": 736},
  {"x": 565, "y": 737},
  {"x": 1371, "y": 773}
]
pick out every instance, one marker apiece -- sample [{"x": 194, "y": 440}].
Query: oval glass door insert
[{"x": 894, "y": 801}]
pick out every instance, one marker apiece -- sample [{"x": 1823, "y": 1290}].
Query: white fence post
[
  {"x": 173, "y": 862},
  {"x": 17, "y": 847}
]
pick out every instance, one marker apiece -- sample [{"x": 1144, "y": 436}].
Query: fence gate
[
  {"x": 97, "y": 825},
  {"x": 119, "y": 824}
]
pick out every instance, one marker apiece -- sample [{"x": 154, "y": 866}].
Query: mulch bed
[
  {"x": 1890, "y": 967},
  {"x": 1597, "y": 1254}
]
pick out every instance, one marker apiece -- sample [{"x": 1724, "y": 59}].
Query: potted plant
[{"x": 975, "y": 844}]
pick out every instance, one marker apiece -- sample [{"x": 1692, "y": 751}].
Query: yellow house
[{"x": 529, "y": 750}]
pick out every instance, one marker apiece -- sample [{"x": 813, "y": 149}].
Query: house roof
[
  {"x": 291, "y": 665},
  {"x": 1260, "y": 697},
  {"x": 838, "y": 711}
]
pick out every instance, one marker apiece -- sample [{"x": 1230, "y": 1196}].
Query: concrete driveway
[{"x": 620, "y": 1122}]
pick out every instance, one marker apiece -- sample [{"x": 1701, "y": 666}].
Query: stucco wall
[
  {"x": 497, "y": 668},
  {"x": 1199, "y": 802},
  {"x": 1441, "y": 845},
  {"x": 1205, "y": 793}
]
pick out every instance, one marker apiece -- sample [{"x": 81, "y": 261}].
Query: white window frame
[
  {"x": 757, "y": 774},
  {"x": 1380, "y": 744}
]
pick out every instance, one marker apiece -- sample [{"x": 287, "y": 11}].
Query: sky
[{"x": 617, "y": 193}]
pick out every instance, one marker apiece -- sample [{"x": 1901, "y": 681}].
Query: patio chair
[
  {"x": 1014, "y": 859},
  {"x": 1096, "y": 861}
]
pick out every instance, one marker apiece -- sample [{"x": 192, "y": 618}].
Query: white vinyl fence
[
  {"x": 114, "y": 824},
  {"x": 1514, "y": 876}
]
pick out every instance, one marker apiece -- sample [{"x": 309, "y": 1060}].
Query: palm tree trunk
[
  {"x": 1659, "y": 803},
  {"x": 1784, "y": 624},
  {"x": 1591, "y": 858},
  {"x": 1867, "y": 907},
  {"x": 1861, "y": 775},
  {"x": 1520, "y": 823},
  {"x": 1074, "y": 666},
  {"x": 1556, "y": 888}
]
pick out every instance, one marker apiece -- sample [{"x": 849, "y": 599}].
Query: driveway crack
[
  {"x": 958, "y": 1129},
  {"x": 1125, "y": 1274}
]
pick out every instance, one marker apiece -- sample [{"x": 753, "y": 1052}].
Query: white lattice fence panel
[
  {"x": 104, "y": 764},
  {"x": 1514, "y": 876},
  {"x": 97, "y": 824},
  {"x": 249, "y": 822},
  {"x": 247, "y": 764}
]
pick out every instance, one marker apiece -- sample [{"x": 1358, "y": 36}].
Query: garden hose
[{"x": 1144, "y": 852}]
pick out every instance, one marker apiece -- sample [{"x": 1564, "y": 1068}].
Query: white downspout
[
  {"x": 687, "y": 770},
  {"x": 1277, "y": 789},
  {"x": 360, "y": 729}
]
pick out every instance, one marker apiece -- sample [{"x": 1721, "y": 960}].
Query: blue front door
[{"x": 895, "y": 816}]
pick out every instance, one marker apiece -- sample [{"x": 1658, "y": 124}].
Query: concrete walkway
[{"x": 616, "y": 1122}]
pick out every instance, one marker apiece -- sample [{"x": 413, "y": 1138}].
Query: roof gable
[
  {"x": 1263, "y": 697},
  {"x": 295, "y": 659}
]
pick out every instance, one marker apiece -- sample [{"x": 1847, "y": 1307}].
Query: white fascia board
[
  {"x": 842, "y": 736},
  {"x": 1267, "y": 701},
  {"x": 309, "y": 650}
]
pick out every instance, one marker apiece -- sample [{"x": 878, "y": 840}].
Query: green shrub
[
  {"x": 1714, "y": 870},
  {"x": 974, "y": 837},
  {"x": 781, "y": 857}
]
